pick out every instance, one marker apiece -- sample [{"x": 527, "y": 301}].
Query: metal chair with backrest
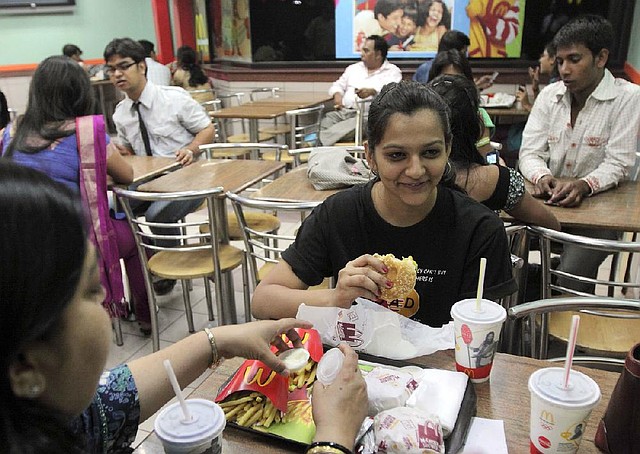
[
  {"x": 614, "y": 342},
  {"x": 186, "y": 255},
  {"x": 277, "y": 129},
  {"x": 263, "y": 222},
  {"x": 304, "y": 132},
  {"x": 226, "y": 126},
  {"x": 557, "y": 282},
  {"x": 263, "y": 249}
]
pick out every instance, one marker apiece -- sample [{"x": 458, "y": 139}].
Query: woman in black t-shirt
[{"x": 410, "y": 208}]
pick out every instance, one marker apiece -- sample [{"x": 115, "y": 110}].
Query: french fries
[
  {"x": 299, "y": 410},
  {"x": 303, "y": 377},
  {"x": 251, "y": 409}
]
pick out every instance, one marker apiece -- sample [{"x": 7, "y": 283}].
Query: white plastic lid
[
  {"x": 582, "y": 391},
  {"x": 295, "y": 358},
  {"x": 207, "y": 422},
  {"x": 330, "y": 366},
  {"x": 489, "y": 313}
]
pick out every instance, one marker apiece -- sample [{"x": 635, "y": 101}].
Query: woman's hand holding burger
[{"x": 374, "y": 277}]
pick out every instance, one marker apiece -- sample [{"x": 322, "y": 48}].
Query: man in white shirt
[
  {"x": 581, "y": 136},
  {"x": 155, "y": 120},
  {"x": 156, "y": 72},
  {"x": 362, "y": 80}
]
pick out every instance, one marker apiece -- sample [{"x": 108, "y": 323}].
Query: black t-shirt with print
[{"x": 447, "y": 245}]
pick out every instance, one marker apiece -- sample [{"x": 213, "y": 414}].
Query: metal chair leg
[
  {"x": 245, "y": 288},
  {"x": 207, "y": 293},
  {"x": 117, "y": 329},
  {"x": 187, "y": 305}
]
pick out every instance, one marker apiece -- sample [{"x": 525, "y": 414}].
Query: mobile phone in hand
[{"x": 493, "y": 157}]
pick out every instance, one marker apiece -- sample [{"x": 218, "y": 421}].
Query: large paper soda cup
[
  {"x": 559, "y": 416},
  {"x": 477, "y": 335},
  {"x": 201, "y": 434}
]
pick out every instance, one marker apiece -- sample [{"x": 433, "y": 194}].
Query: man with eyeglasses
[{"x": 155, "y": 120}]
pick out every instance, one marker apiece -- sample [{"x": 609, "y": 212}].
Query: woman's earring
[
  {"x": 448, "y": 170},
  {"x": 34, "y": 390}
]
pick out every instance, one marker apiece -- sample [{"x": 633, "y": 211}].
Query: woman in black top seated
[
  {"x": 411, "y": 208},
  {"x": 498, "y": 187}
]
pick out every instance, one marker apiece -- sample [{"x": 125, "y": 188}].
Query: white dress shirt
[
  {"x": 157, "y": 73},
  {"x": 599, "y": 149},
  {"x": 171, "y": 116},
  {"x": 357, "y": 76}
]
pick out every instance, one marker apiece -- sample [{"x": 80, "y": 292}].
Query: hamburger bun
[{"x": 401, "y": 272}]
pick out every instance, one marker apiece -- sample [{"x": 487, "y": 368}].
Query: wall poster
[{"x": 413, "y": 28}]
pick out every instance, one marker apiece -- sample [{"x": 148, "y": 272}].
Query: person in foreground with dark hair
[
  {"x": 361, "y": 80},
  {"x": 157, "y": 73},
  {"x": 411, "y": 208},
  {"x": 582, "y": 134},
  {"x": 496, "y": 186},
  {"x": 190, "y": 76},
  {"x": 54, "y": 396}
]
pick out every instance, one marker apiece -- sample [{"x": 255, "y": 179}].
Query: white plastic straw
[
  {"x": 571, "y": 347},
  {"x": 176, "y": 389},
  {"x": 483, "y": 267}
]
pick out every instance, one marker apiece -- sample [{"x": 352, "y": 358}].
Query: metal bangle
[{"x": 216, "y": 359}]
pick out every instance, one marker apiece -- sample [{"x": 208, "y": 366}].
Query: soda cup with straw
[
  {"x": 561, "y": 401},
  {"x": 189, "y": 426},
  {"x": 477, "y": 325}
]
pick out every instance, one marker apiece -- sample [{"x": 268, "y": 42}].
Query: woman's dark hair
[
  {"x": 69, "y": 50},
  {"x": 450, "y": 57},
  {"x": 43, "y": 249},
  {"x": 423, "y": 14},
  {"x": 60, "y": 91},
  {"x": 467, "y": 126},
  {"x": 188, "y": 60},
  {"x": 407, "y": 97},
  {"x": 4, "y": 112}
]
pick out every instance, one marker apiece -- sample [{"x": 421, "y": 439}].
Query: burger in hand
[{"x": 401, "y": 272}]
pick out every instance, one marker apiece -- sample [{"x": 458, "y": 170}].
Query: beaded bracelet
[
  {"x": 216, "y": 359},
  {"x": 327, "y": 447}
]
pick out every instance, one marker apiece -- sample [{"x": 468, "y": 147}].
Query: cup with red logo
[
  {"x": 559, "y": 415},
  {"x": 477, "y": 334}
]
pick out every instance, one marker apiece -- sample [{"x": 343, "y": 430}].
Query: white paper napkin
[
  {"x": 440, "y": 392},
  {"x": 486, "y": 436}
]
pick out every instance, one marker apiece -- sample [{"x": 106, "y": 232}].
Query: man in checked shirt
[{"x": 582, "y": 129}]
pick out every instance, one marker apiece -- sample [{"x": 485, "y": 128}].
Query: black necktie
[{"x": 143, "y": 130}]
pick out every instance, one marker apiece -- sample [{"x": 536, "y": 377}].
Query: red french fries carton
[{"x": 254, "y": 375}]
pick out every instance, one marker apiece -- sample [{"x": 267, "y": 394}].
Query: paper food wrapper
[
  {"x": 440, "y": 392},
  {"x": 371, "y": 328},
  {"x": 388, "y": 388},
  {"x": 408, "y": 431}
]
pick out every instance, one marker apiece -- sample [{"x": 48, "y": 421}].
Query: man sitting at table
[
  {"x": 155, "y": 120},
  {"x": 582, "y": 129},
  {"x": 359, "y": 81}
]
